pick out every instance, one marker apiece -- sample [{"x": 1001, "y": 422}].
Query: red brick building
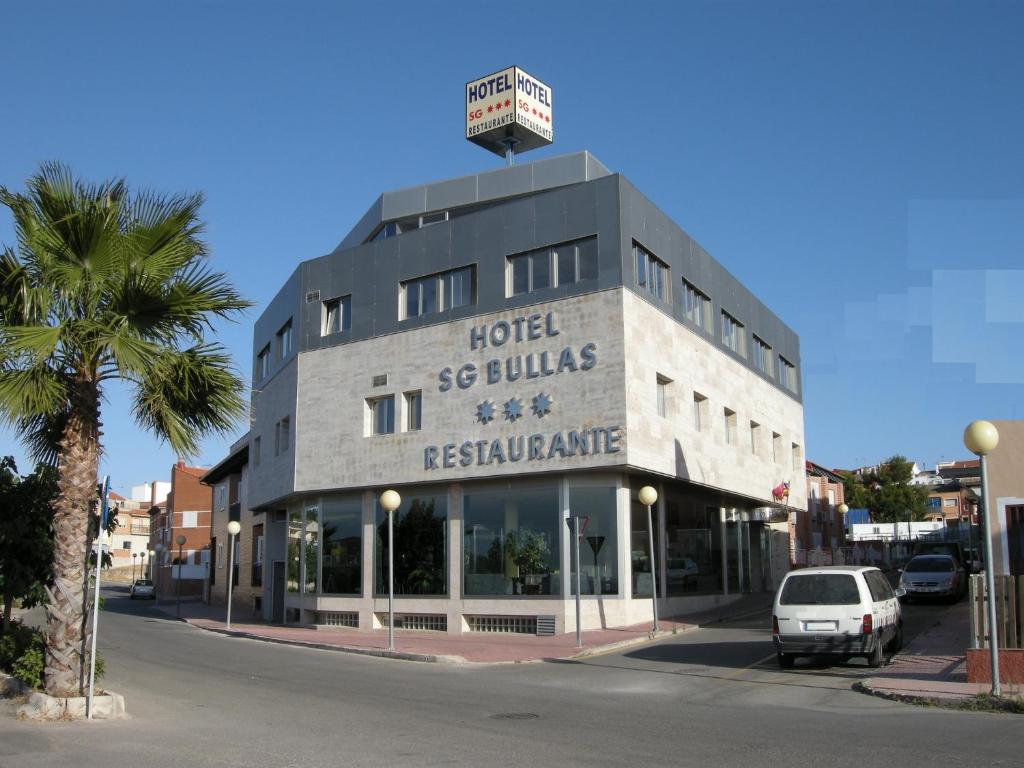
[
  {"x": 821, "y": 528},
  {"x": 187, "y": 512}
]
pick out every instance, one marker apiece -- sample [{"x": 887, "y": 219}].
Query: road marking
[{"x": 741, "y": 670}]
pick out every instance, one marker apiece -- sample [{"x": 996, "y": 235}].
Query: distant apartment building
[
  {"x": 821, "y": 526},
  {"x": 229, "y": 480},
  {"x": 128, "y": 543},
  {"x": 187, "y": 512}
]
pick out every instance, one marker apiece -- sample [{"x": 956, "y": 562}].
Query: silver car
[
  {"x": 142, "y": 589},
  {"x": 933, "y": 576}
]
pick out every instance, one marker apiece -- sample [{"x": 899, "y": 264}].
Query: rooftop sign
[{"x": 509, "y": 108}]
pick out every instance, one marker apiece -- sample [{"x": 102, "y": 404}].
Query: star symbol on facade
[
  {"x": 490, "y": 108},
  {"x": 498, "y": 105},
  {"x": 513, "y": 410},
  {"x": 507, "y": 103},
  {"x": 547, "y": 118},
  {"x": 541, "y": 405},
  {"x": 485, "y": 412}
]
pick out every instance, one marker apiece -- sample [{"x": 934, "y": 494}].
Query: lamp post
[
  {"x": 842, "y": 509},
  {"x": 180, "y": 541},
  {"x": 233, "y": 528},
  {"x": 134, "y": 556},
  {"x": 389, "y": 502},
  {"x": 152, "y": 554},
  {"x": 649, "y": 496},
  {"x": 142, "y": 564},
  {"x": 981, "y": 438}
]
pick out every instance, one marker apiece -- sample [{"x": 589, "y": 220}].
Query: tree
[
  {"x": 887, "y": 492},
  {"x": 105, "y": 285},
  {"x": 26, "y": 544}
]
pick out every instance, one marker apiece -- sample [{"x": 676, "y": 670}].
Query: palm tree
[{"x": 105, "y": 285}]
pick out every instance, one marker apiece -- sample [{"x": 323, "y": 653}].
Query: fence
[
  {"x": 875, "y": 553},
  {"x": 1009, "y": 611}
]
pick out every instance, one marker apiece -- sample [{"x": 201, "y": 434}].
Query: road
[{"x": 710, "y": 697}]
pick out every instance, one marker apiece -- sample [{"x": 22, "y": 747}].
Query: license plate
[{"x": 818, "y": 626}]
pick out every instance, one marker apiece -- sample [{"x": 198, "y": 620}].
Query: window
[
  {"x": 282, "y": 436},
  {"x": 126, "y": 545},
  {"x": 661, "y": 393},
  {"x": 831, "y": 497},
  {"x": 256, "y": 579},
  {"x": 755, "y": 437},
  {"x": 337, "y": 315},
  {"x": 732, "y": 334},
  {"x": 651, "y": 273},
  {"x": 796, "y": 456},
  {"x": 189, "y": 519},
  {"x": 949, "y": 502},
  {"x": 700, "y": 405},
  {"x": 776, "y": 446},
  {"x": 421, "y": 545},
  {"x": 696, "y": 306},
  {"x": 762, "y": 357},
  {"x": 256, "y": 451},
  {"x": 341, "y": 568},
  {"x": 393, "y": 228},
  {"x": 439, "y": 292},
  {"x": 787, "y": 374},
  {"x": 413, "y": 411},
  {"x": 382, "y": 415},
  {"x": 557, "y": 265},
  {"x": 934, "y": 502},
  {"x": 730, "y": 425},
  {"x": 511, "y": 541},
  {"x": 820, "y": 589},
  {"x": 263, "y": 363}
]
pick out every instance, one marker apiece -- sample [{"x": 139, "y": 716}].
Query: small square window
[
  {"x": 256, "y": 451},
  {"x": 284, "y": 341},
  {"x": 733, "y": 334},
  {"x": 661, "y": 394},
  {"x": 413, "y": 411},
  {"x": 263, "y": 363},
  {"x": 700, "y": 407},
  {"x": 337, "y": 315},
  {"x": 776, "y": 447},
  {"x": 730, "y": 425},
  {"x": 282, "y": 436},
  {"x": 755, "y": 437},
  {"x": 382, "y": 415}
]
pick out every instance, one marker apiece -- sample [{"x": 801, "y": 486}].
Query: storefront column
[
  {"x": 369, "y": 620},
  {"x": 455, "y": 558}
]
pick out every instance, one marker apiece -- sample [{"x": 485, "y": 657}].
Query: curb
[{"x": 967, "y": 702}]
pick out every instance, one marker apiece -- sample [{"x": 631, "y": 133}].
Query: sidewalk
[
  {"x": 933, "y": 667},
  {"x": 474, "y": 647}
]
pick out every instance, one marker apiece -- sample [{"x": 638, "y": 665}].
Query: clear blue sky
[{"x": 858, "y": 165}]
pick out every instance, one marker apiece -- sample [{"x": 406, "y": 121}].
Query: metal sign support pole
[
  {"x": 96, "y": 594},
  {"x": 391, "y": 581}
]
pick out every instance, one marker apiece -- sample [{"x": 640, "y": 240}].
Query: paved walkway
[
  {"x": 934, "y": 666},
  {"x": 471, "y": 647}
]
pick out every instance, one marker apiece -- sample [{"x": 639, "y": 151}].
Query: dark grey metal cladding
[
  {"x": 645, "y": 223},
  {"x": 478, "y": 188},
  {"x": 282, "y": 308},
  {"x": 372, "y": 272}
]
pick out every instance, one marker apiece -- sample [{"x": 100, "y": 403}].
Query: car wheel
[
  {"x": 785, "y": 660},
  {"x": 876, "y": 657}
]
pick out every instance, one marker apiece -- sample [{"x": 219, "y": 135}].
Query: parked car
[
  {"x": 143, "y": 589},
  {"x": 682, "y": 571},
  {"x": 951, "y": 548},
  {"x": 934, "y": 576},
  {"x": 839, "y": 611}
]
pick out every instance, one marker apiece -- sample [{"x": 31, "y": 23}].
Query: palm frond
[
  {"x": 38, "y": 341},
  {"x": 187, "y": 393},
  {"x": 31, "y": 390},
  {"x": 41, "y": 434}
]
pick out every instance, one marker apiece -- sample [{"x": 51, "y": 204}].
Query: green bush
[{"x": 22, "y": 655}]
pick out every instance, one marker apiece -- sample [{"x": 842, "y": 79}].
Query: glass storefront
[
  {"x": 510, "y": 542},
  {"x": 599, "y": 550},
  {"x": 294, "y": 549},
  {"x": 640, "y": 553},
  {"x": 693, "y": 548},
  {"x": 342, "y": 531},
  {"x": 311, "y": 552},
  {"x": 421, "y": 545}
]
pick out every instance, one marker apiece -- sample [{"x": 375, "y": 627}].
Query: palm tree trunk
[{"x": 79, "y": 457}]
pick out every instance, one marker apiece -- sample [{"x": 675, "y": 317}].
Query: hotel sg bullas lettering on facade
[{"x": 505, "y": 350}]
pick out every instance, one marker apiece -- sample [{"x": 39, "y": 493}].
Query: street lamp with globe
[
  {"x": 180, "y": 541},
  {"x": 389, "y": 502},
  {"x": 649, "y": 496},
  {"x": 233, "y": 528},
  {"x": 981, "y": 438}
]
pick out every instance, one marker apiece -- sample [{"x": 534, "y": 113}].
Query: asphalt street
[{"x": 709, "y": 697}]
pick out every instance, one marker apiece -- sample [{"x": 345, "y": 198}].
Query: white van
[{"x": 842, "y": 611}]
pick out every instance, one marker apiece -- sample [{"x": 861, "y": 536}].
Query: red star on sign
[
  {"x": 498, "y": 105},
  {"x": 490, "y": 109},
  {"x": 547, "y": 118},
  {"x": 508, "y": 103},
  {"x": 535, "y": 111}
]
